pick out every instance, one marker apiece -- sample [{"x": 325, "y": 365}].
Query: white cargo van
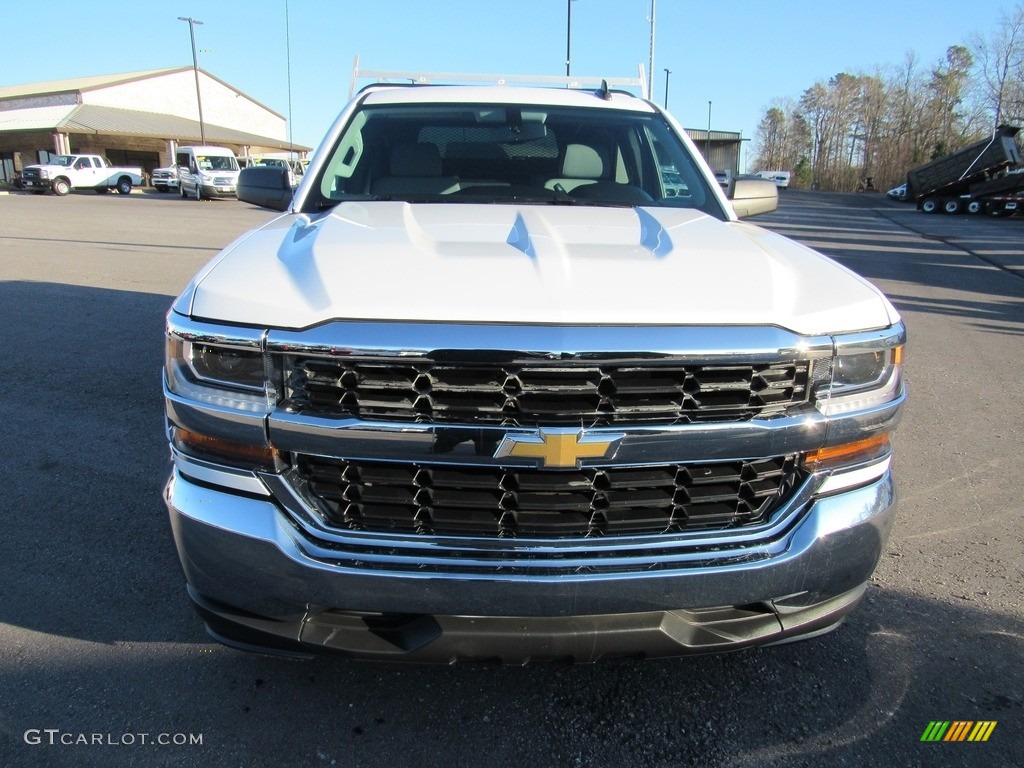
[{"x": 205, "y": 172}]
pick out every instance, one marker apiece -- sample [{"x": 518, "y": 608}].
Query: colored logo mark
[
  {"x": 556, "y": 448},
  {"x": 958, "y": 730}
]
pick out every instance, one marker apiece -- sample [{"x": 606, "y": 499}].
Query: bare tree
[
  {"x": 874, "y": 103},
  {"x": 947, "y": 89},
  {"x": 782, "y": 138},
  {"x": 771, "y": 138},
  {"x": 883, "y": 124},
  {"x": 1000, "y": 64}
]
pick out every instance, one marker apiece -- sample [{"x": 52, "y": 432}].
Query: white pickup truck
[
  {"x": 510, "y": 379},
  {"x": 66, "y": 172}
]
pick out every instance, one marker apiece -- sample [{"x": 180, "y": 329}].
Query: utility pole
[
  {"x": 195, "y": 70},
  {"x": 667, "y": 73},
  {"x": 707, "y": 144},
  {"x": 568, "y": 34},
  {"x": 288, "y": 59},
  {"x": 650, "y": 68}
]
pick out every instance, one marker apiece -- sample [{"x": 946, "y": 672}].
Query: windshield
[
  {"x": 511, "y": 153},
  {"x": 64, "y": 160},
  {"x": 216, "y": 163}
]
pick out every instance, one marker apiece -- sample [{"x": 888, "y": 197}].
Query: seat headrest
[{"x": 582, "y": 162}]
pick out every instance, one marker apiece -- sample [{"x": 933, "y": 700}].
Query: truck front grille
[
  {"x": 525, "y": 502},
  {"x": 30, "y": 173},
  {"x": 531, "y": 394}
]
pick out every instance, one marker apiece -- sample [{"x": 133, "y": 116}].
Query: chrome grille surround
[
  {"x": 402, "y": 440},
  {"x": 745, "y": 541}
]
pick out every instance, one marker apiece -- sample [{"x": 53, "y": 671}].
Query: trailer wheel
[
  {"x": 951, "y": 206},
  {"x": 975, "y": 207},
  {"x": 930, "y": 205}
]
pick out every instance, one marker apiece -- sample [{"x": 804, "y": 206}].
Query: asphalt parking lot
[{"x": 103, "y": 662}]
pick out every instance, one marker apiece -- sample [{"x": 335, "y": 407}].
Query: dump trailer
[{"x": 979, "y": 178}]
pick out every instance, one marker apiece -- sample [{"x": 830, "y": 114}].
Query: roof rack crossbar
[{"x": 426, "y": 78}]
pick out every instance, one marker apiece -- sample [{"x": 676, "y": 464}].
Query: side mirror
[
  {"x": 266, "y": 186},
  {"x": 751, "y": 197}
]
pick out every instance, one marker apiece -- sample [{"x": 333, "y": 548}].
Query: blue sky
[{"x": 739, "y": 55}]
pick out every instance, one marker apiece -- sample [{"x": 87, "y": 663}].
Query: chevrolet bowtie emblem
[{"x": 556, "y": 448}]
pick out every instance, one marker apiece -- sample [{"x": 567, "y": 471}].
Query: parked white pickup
[{"x": 66, "y": 172}]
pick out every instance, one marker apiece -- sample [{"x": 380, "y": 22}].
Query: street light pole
[
  {"x": 707, "y": 145},
  {"x": 195, "y": 70},
  {"x": 568, "y": 34},
  {"x": 650, "y": 67},
  {"x": 667, "y": 73}
]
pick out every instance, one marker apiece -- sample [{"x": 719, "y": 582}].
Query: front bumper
[
  {"x": 259, "y": 580},
  {"x": 219, "y": 190}
]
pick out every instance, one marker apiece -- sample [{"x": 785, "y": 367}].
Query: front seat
[
  {"x": 415, "y": 168},
  {"x": 581, "y": 164}
]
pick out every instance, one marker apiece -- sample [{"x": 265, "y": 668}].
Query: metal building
[
  {"x": 720, "y": 148},
  {"x": 137, "y": 118}
]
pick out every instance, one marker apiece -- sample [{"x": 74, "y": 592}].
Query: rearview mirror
[
  {"x": 266, "y": 186},
  {"x": 751, "y": 197}
]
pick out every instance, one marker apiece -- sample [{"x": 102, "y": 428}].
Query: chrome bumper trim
[
  {"x": 242, "y": 480},
  {"x": 207, "y": 419}
]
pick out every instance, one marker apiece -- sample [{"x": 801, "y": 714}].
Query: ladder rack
[{"x": 427, "y": 78}]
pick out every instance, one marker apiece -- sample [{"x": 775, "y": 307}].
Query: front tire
[
  {"x": 199, "y": 193},
  {"x": 930, "y": 205},
  {"x": 61, "y": 187},
  {"x": 124, "y": 186}
]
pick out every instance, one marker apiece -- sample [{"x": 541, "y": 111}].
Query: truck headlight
[
  {"x": 44, "y": 174},
  {"x": 218, "y": 374},
  {"x": 226, "y": 365},
  {"x": 862, "y": 378}
]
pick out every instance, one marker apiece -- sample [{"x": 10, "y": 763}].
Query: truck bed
[{"x": 954, "y": 173}]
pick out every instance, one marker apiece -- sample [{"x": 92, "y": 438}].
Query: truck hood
[{"x": 529, "y": 264}]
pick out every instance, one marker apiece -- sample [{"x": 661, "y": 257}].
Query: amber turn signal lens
[
  {"x": 260, "y": 454},
  {"x": 848, "y": 452}
]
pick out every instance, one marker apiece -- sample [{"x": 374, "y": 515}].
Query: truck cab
[{"x": 66, "y": 172}]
